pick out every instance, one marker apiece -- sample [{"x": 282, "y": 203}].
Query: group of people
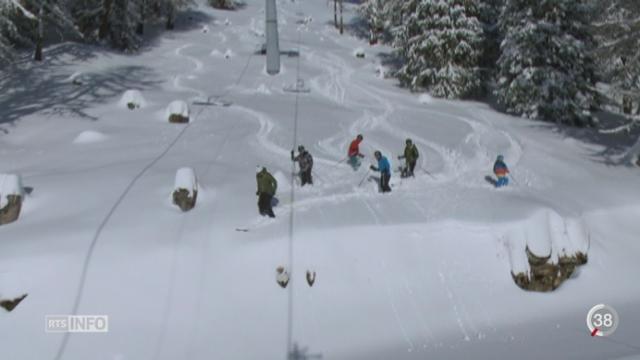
[{"x": 268, "y": 185}]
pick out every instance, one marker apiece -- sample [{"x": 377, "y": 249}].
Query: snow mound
[
  {"x": 229, "y": 54},
  {"x": 359, "y": 53},
  {"x": 263, "y": 89},
  {"x": 77, "y": 78},
  {"x": 425, "y": 99},
  {"x": 186, "y": 179},
  {"x": 90, "y": 137},
  {"x": 205, "y": 29},
  {"x": 177, "y": 107},
  {"x": 216, "y": 53},
  {"x": 10, "y": 184},
  {"x": 132, "y": 99}
]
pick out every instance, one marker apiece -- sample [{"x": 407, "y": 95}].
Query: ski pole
[
  {"x": 428, "y": 173},
  {"x": 514, "y": 179},
  {"x": 340, "y": 162},
  {"x": 365, "y": 176}
]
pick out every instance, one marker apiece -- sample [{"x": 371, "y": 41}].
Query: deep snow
[{"x": 423, "y": 272}]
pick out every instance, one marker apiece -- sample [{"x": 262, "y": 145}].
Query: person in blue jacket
[
  {"x": 502, "y": 171},
  {"x": 385, "y": 171}
]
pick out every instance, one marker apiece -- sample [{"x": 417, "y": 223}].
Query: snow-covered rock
[
  {"x": 11, "y": 195},
  {"x": 178, "y": 112},
  {"x": 553, "y": 249},
  {"x": 132, "y": 99},
  {"x": 185, "y": 191},
  {"x": 229, "y": 54},
  {"x": 359, "y": 53},
  {"x": 89, "y": 137}
]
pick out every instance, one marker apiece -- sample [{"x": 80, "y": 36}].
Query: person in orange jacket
[{"x": 354, "y": 152}]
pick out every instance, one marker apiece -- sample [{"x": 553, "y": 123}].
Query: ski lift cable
[{"x": 292, "y": 212}]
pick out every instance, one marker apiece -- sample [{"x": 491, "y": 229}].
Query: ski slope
[{"x": 422, "y": 272}]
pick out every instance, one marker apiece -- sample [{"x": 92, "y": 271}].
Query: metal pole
[{"x": 273, "y": 46}]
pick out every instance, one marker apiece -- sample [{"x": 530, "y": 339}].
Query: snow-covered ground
[{"x": 422, "y": 272}]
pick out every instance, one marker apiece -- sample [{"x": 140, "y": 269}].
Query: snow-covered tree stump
[
  {"x": 132, "y": 99},
  {"x": 185, "y": 191},
  {"x": 178, "y": 112},
  {"x": 11, "y": 195},
  {"x": 10, "y": 304},
  {"x": 545, "y": 276}
]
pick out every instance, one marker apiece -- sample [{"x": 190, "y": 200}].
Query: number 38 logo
[{"x": 602, "y": 320}]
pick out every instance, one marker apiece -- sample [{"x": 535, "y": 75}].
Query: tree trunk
[
  {"x": 40, "y": 34},
  {"x": 105, "y": 24},
  {"x": 141, "y": 20},
  {"x": 341, "y": 22},
  {"x": 171, "y": 13},
  {"x": 335, "y": 13},
  {"x": 627, "y": 104}
]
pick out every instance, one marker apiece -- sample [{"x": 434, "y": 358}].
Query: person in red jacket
[{"x": 354, "y": 152}]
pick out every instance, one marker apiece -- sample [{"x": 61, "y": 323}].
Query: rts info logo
[{"x": 76, "y": 323}]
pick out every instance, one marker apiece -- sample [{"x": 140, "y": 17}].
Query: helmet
[
  {"x": 360, "y": 137},
  {"x": 500, "y": 158},
  {"x": 300, "y": 148},
  {"x": 377, "y": 154},
  {"x": 259, "y": 169},
  {"x": 409, "y": 142}
]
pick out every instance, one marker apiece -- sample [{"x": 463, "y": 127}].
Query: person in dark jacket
[
  {"x": 501, "y": 171},
  {"x": 411, "y": 158},
  {"x": 385, "y": 171},
  {"x": 305, "y": 162},
  {"x": 267, "y": 186}
]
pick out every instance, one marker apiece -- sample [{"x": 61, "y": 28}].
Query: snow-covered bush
[
  {"x": 11, "y": 195},
  {"x": 185, "y": 190},
  {"x": 545, "y": 68},
  {"x": 178, "y": 112},
  {"x": 441, "y": 45},
  {"x": 132, "y": 99}
]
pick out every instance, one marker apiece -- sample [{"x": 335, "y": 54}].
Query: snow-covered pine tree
[
  {"x": 11, "y": 31},
  {"x": 122, "y": 25},
  {"x": 373, "y": 11},
  {"x": 617, "y": 29},
  {"x": 545, "y": 68},
  {"x": 441, "y": 44}
]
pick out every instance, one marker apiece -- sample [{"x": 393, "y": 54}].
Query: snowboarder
[
  {"x": 267, "y": 186},
  {"x": 385, "y": 171},
  {"x": 305, "y": 162},
  {"x": 501, "y": 170},
  {"x": 411, "y": 157},
  {"x": 354, "y": 153}
]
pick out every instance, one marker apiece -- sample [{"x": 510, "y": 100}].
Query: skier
[
  {"x": 267, "y": 186},
  {"x": 385, "y": 171},
  {"x": 305, "y": 162},
  {"x": 501, "y": 170},
  {"x": 354, "y": 153},
  {"x": 411, "y": 157}
]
